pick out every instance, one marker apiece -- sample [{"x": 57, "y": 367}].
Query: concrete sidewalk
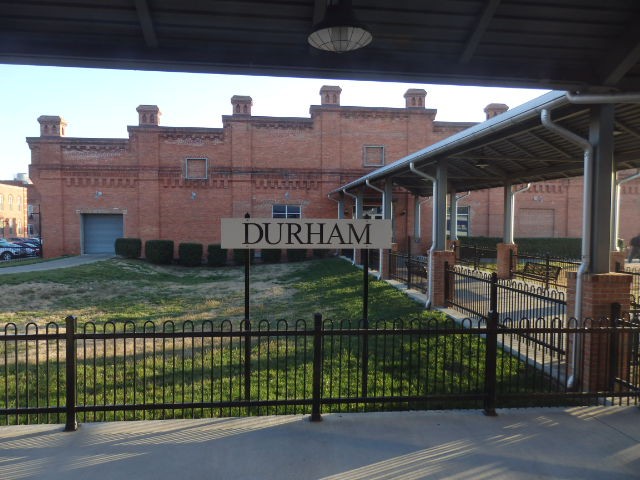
[
  {"x": 65, "y": 262},
  {"x": 563, "y": 443}
]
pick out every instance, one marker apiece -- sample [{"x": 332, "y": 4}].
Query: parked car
[
  {"x": 10, "y": 250},
  {"x": 31, "y": 249}
]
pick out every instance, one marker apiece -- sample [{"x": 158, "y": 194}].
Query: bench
[
  {"x": 418, "y": 266},
  {"x": 540, "y": 271}
]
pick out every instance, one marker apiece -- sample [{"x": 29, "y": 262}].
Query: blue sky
[{"x": 101, "y": 103}]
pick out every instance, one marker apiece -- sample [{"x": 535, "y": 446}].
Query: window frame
[
  {"x": 286, "y": 214},
  {"x": 186, "y": 168},
  {"x": 366, "y": 162}
]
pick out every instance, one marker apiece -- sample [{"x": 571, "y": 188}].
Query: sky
[{"x": 100, "y": 103}]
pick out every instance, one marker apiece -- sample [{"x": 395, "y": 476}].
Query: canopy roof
[
  {"x": 553, "y": 44},
  {"x": 515, "y": 147}
]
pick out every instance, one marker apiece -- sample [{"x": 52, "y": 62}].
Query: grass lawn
[{"x": 118, "y": 295}]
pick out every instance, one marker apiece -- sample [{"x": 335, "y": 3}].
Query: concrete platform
[{"x": 555, "y": 443}]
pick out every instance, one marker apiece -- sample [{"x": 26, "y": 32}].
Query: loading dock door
[{"x": 100, "y": 232}]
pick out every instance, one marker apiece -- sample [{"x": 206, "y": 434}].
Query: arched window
[
  {"x": 19, "y": 203},
  {"x": 10, "y": 202},
  {"x": 1, "y": 202}
]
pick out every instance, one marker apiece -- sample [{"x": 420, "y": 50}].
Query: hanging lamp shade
[{"x": 339, "y": 31}]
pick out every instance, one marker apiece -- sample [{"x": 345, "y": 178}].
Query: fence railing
[
  {"x": 547, "y": 265},
  {"x": 473, "y": 292},
  {"x": 477, "y": 257},
  {"x": 412, "y": 270},
  {"x": 100, "y": 372}
]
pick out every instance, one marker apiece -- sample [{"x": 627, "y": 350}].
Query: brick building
[
  {"x": 13, "y": 209},
  {"x": 178, "y": 182}
]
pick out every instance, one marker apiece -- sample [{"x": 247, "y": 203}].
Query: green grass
[{"x": 123, "y": 295}]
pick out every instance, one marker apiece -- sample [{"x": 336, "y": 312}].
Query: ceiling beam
[
  {"x": 146, "y": 23},
  {"x": 482, "y": 25}
]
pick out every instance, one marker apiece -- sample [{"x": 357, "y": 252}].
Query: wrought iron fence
[
  {"x": 477, "y": 257},
  {"x": 473, "y": 292},
  {"x": 410, "y": 270},
  {"x": 101, "y": 372},
  {"x": 549, "y": 271}
]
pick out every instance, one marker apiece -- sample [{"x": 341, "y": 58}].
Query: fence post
[
  {"x": 247, "y": 360},
  {"x": 317, "y": 368},
  {"x": 491, "y": 350},
  {"x": 71, "y": 424},
  {"x": 408, "y": 263},
  {"x": 616, "y": 314},
  {"x": 365, "y": 326},
  {"x": 447, "y": 289}
]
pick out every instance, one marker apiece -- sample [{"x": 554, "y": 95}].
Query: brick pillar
[
  {"x": 455, "y": 246},
  {"x": 617, "y": 258},
  {"x": 599, "y": 291},
  {"x": 440, "y": 257},
  {"x": 504, "y": 259}
]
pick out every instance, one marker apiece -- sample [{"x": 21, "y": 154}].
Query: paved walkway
[
  {"x": 555, "y": 443},
  {"x": 57, "y": 263}
]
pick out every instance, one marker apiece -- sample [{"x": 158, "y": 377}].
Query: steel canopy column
[
  {"x": 417, "y": 217},
  {"x": 602, "y": 185},
  {"x": 507, "y": 234},
  {"x": 440, "y": 235},
  {"x": 453, "y": 216}
]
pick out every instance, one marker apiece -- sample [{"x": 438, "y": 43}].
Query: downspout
[
  {"x": 433, "y": 230},
  {"x": 616, "y": 206},
  {"x": 384, "y": 215},
  {"x": 545, "y": 118},
  {"x": 453, "y": 229},
  {"x": 355, "y": 198},
  {"x": 509, "y": 213}
]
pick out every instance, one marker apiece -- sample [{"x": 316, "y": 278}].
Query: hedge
[
  {"x": 216, "y": 256},
  {"x": 159, "y": 251},
  {"x": 128, "y": 247},
  {"x": 556, "y": 247},
  {"x": 190, "y": 254},
  {"x": 296, "y": 254},
  {"x": 238, "y": 256},
  {"x": 271, "y": 255}
]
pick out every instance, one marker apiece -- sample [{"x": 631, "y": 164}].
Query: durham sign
[{"x": 305, "y": 233}]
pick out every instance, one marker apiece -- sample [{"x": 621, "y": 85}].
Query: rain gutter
[{"x": 545, "y": 118}]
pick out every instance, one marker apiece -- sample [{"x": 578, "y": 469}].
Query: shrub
[
  {"x": 159, "y": 252},
  {"x": 238, "y": 256},
  {"x": 216, "y": 256},
  {"x": 128, "y": 247},
  {"x": 296, "y": 255},
  {"x": 320, "y": 253},
  {"x": 190, "y": 254},
  {"x": 271, "y": 255}
]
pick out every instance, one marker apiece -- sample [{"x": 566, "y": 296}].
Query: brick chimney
[
  {"x": 52, "y": 126},
  {"x": 330, "y": 95},
  {"x": 494, "y": 109},
  {"x": 148, "y": 115},
  {"x": 241, "y": 105},
  {"x": 415, "y": 98}
]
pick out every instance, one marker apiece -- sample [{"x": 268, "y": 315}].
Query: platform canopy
[
  {"x": 515, "y": 147},
  {"x": 550, "y": 44}
]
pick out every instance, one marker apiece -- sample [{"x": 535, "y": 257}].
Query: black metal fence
[
  {"x": 477, "y": 257},
  {"x": 128, "y": 372},
  {"x": 410, "y": 270},
  {"x": 549, "y": 271}
]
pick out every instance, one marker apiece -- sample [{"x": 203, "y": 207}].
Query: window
[
  {"x": 196, "y": 168},
  {"x": 19, "y": 203},
  {"x": 1, "y": 202},
  {"x": 464, "y": 214},
  {"x": 286, "y": 211},
  {"x": 373, "y": 155},
  {"x": 10, "y": 202}
]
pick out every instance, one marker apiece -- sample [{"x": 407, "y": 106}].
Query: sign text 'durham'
[{"x": 305, "y": 233}]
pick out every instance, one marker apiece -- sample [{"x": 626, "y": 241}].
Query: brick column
[
  {"x": 440, "y": 257},
  {"x": 599, "y": 292},
  {"x": 617, "y": 258},
  {"x": 455, "y": 246},
  {"x": 504, "y": 259}
]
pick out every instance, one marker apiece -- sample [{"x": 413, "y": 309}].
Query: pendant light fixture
[{"x": 339, "y": 31}]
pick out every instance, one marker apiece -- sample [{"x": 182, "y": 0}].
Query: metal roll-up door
[{"x": 100, "y": 232}]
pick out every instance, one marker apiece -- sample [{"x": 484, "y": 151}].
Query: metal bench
[
  {"x": 540, "y": 271},
  {"x": 419, "y": 266}
]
